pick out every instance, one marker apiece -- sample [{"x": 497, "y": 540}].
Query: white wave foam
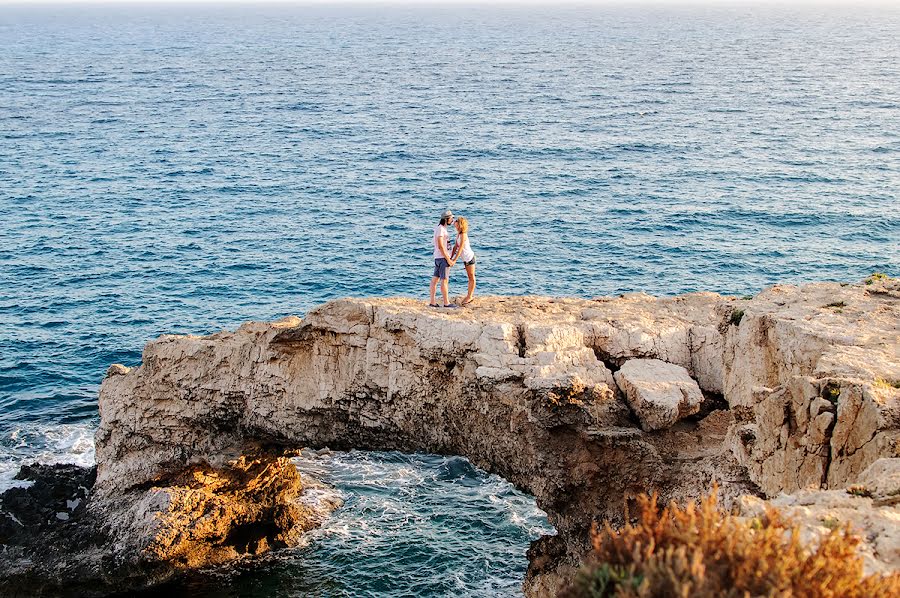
[{"x": 42, "y": 443}]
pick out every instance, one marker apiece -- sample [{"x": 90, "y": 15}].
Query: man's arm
[{"x": 442, "y": 244}]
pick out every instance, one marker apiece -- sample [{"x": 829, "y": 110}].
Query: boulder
[{"x": 660, "y": 393}]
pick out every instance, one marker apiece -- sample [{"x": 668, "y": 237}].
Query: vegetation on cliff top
[{"x": 699, "y": 551}]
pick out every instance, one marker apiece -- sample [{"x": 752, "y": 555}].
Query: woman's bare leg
[{"x": 470, "y": 271}]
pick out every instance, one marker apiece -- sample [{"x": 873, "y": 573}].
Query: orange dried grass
[{"x": 698, "y": 551}]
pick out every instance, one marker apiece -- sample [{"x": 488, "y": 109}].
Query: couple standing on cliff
[{"x": 445, "y": 258}]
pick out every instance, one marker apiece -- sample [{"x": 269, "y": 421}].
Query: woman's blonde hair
[{"x": 463, "y": 224}]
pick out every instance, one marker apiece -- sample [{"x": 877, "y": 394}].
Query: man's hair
[{"x": 444, "y": 221}]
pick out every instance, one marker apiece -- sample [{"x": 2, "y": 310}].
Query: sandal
[{"x": 433, "y": 305}]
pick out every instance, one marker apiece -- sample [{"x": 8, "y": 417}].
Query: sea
[{"x": 183, "y": 168}]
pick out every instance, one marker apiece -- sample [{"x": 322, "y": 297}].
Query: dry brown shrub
[{"x": 699, "y": 551}]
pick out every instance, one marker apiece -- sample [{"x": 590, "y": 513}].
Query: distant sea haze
[{"x": 174, "y": 169}]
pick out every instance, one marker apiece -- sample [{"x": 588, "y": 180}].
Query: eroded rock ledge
[{"x": 582, "y": 403}]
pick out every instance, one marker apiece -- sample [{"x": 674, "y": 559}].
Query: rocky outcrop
[
  {"x": 794, "y": 388},
  {"x": 812, "y": 376},
  {"x": 59, "y": 538},
  {"x": 881, "y": 480},
  {"x": 53, "y": 494},
  {"x": 659, "y": 393},
  {"x": 521, "y": 386}
]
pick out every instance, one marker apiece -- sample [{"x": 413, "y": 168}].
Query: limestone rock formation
[
  {"x": 812, "y": 374},
  {"x": 206, "y": 515},
  {"x": 799, "y": 390},
  {"x": 659, "y": 393}
]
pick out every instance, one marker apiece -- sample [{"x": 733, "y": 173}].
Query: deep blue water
[{"x": 183, "y": 169}]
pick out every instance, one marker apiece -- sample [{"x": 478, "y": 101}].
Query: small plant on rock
[
  {"x": 875, "y": 277},
  {"x": 702, "y": 552},
  {"x": 883, "y": 383},
  {"x": 567, "y": 395},
  {"x": 860, "y": 491},
  {"x": 831, "y": 393},
  {"x": 831, "y": 523},
  {"x": 605, "y": 580},
  {"x": 736, "y": 317}
]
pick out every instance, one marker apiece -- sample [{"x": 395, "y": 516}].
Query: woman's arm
[
  {"x": 457, "y": 247},
  {"x": 455, "y": 253}
]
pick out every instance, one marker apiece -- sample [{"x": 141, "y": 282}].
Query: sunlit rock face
[
  {"x": 207, "y": 515},
  {"x": 59, "y": 538},
  {"x": 582, "y": 403},
  {"x": 868, "y": 508}
]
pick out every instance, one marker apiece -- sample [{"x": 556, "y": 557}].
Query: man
[{"x": 442, "y": 261}]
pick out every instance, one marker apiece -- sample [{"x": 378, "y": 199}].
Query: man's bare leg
[
  {"x": 434, "y": 282},
  {"x": 445, "y": 290}
]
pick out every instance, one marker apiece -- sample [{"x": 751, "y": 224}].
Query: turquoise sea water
[{"x": 184, "y": 169}]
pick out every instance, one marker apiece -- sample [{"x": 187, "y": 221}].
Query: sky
[{"x": 486, "y": 2}]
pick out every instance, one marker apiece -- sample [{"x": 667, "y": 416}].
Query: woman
[{"x": 463, "y": 250}]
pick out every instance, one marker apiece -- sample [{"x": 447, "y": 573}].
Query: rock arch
[{"x": 523, "y": 387}]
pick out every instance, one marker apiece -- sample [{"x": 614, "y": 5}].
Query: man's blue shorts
[{"x": 440, "y": 268}]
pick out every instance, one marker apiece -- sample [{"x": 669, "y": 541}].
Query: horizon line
[{"x": 546, "y": 3}]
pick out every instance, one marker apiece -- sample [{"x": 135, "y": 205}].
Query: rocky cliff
[{"x": 582, "y": 403}]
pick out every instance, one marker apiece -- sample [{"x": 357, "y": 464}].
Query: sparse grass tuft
[
  {"x": 605, "y": 580},
  {"x": 703, "y": 552},
  {"x": 883, "y": 383},
  {"x": 875, "y": 277},
  {"x": 736, "y": 317},
  {"x": 831, "y": 392},
  {"x": 836, "y": 304}
]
